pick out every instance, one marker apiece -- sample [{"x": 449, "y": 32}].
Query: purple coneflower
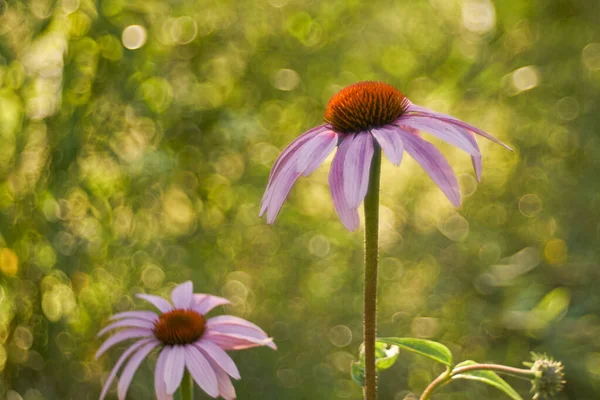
[
  {"x": 360, "y": 117},
  {"x": 186, "y": 340}
]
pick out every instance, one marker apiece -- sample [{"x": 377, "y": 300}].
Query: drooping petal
[
  {"x": 182, "y": 295},
  {"x": 230, "y": 341},
  {"x": 442, "y": 129},
  {"x": 476, "y": 160},
  {"x": 129, "y": 323},
  {"x": 234, "y": 325},
  {"x": 239, "y": 331},
  {"x": 357, "y": 165},
  {"x": 204, "y": 303},
  {"x": 434, "y": 163},
  {"x": 450, "y": 119},
  {"x": 122, "y": 336},
  {"x": 232, "y": 320},
  {"x": 284, "y": 159},
  {"x": 226, "y": 389},
  {"x": 477, "y": 166},
  {"x": 320, "y": 148},
  {"x": 160, "y": 386},
  {"x": 390, "y": 141},
  {"x": 303, "y": 160},
  {"x": 158, "y": 302},
  {"x": 174, "y": 368},
  {"x": 294, "y": 145},
  {"x": 201, "y": 370},
  {"x": 218, "y": 355},
  {"x": 143, "y": 315},
  {"x": 348, "y": 215},
  {"x": 118, "y": 365},
  {"x": 132, "y": 366}
]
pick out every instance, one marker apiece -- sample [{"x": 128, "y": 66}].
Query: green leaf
[
  {"x": 427, "y": 348},
  {"x": 358, "y": 373},
  {"x": 386, "y": 356},
  {"x": 489, "y": 377}
]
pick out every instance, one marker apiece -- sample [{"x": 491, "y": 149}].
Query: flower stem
[
  {"x": 371, "y": 204},
  {"x": 187, "y": 387},
  {"x": 447, "y": 375}
]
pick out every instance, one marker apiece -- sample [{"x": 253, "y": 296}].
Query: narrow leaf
[
  {"x": 489, "y": 377},
  {"x": 427, "y": 348}
]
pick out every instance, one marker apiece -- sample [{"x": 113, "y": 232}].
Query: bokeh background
[{"x": 136, "y": 138}]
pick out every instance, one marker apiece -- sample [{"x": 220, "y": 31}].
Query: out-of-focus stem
[
  {"x": 371, "y": 205},
  {"x": 448, "y": 374},
  {"x": 187, "y": 387}
]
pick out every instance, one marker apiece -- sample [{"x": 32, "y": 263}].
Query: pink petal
[
  {"x": 237, "y": 326},
  {"x": 120, "y": 362},
  {"x": 160, "y": 387},
  {"x": 231, "y": 320},
  {"x": 447, "y": 118},
  {"x": 391, "y": 143},
  {"x": 206, "y": 302},
  {"x": 239, "y": 331},
  {"x": 316, "y": 152},
  {"x": 281, "y": 190},
  {"x": 357, "y": 165},
  {"x": 477, "y": 166},
  {"x": 132, "y": 366},
  {"x": 158, "y": 302},
  {"x": 476, "y": 160},
  {"x": 182, "y": 295},
  {"x": 284, "y": 159},
  {"x": 294, "y": 145},
  {"x": 122, "y": 336},
  {"x": 434, "y": 163},
  {"x": 348, "y": 215},
  {"x": 201, "y": 371},
  {"x": 303, "y": 160},
  {"x": 174, "y": 368},
  {"x": 230, "y": 341},
  {"x": 144, "y": 315},
  {"x": 442, "y": 129},
  {"x": 129, "y": 323},
  {"x": 218, "y": 355},
  {"x": 226, "y": 389}
]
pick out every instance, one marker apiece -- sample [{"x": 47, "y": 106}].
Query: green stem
[
  {"x": 447, "y": 375},
  {"x": 371, "y": 204},
  {"x": 187, "y": 387},
  {"x": 437, "y": 382}
]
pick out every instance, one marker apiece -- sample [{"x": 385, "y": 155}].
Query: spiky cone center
[
  {"x": 179, "y": 327},
  {"x": 550, "y": 378},
  {"x": 365, "y": 105}
]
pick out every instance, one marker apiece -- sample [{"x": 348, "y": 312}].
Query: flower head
[
  {"x": 362, "y": 118},
  {"x": 186, "y": 339},
  {"x": 550, "y": 377}
]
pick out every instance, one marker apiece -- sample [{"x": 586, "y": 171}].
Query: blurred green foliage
[{"x": 136, "y": 139}]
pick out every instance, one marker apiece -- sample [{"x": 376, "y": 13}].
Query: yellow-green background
[{"x": 126, "y": 169}]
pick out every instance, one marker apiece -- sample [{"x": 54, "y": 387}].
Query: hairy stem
[
  {"x": 446, "y": 376},
  {"x": 371, "y": 204},
  {"x": 187, "y": 387}
]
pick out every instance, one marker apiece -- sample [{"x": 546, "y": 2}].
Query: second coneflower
[
  {"x": 360, "y": 118},
  {"x": 187, "y": 340}
]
